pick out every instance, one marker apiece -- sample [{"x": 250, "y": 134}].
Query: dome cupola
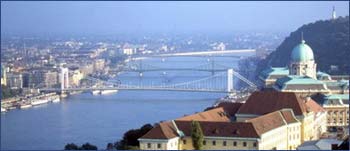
[{"x": 302, "y": 52}]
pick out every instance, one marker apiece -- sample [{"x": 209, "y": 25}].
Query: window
[
  {"x": 234, "y": 143},
  {"x": 184, "y": 141},
  {"x": 244, "y": 144},
  {"x": 214, "y": 143},
  {"x": 148, "y": 145},
  {"x": 160, "y": 145},
  {"x": 224, "y": 143},
  {"x": 204, "y": 143},
  {"x": 254, "y": 144}
]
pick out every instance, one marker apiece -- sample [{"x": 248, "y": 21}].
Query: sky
[{"x": 137, "y": 17}]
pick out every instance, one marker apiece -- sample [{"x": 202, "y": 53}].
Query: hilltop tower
[{"x": 334, "y": 15}]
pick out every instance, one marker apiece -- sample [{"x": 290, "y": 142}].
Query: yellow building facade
[{"x": 253, "y": 134}]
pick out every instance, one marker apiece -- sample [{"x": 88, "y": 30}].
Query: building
[
  {"x": 301, "y": 76},
  {"x": 322, "y": 144},
  {"x": 74, "y": 77},
  {"x": 337, "y": 107},
  {"x": 312, "y": 116},
  {"x": 3, "y": 76},
  {"x": 267, "y": 121},
  {"x": 99, "y": 65},
  {"x": 14, "y": 80},
  {"x": 40, "y": 77},
  {"x": 276, "y": 130}
]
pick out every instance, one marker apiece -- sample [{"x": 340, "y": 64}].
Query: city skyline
[{"x": 144, "y": 17}]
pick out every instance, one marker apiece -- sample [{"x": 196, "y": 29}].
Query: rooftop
[
  {"x": 274, "y": 71},
  {"x": 260, "y": 103},
  {"x": 302, "y": 52},
  {"x": 216, "y": 114}
]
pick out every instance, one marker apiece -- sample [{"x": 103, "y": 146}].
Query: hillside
[{"x": 329, "y": 40}]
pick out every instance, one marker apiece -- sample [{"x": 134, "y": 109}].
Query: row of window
[
  {"x": 158, "y": 145},
  {"x": 224, "y": 143},
  {"x": 295, "y": 136},
  {"x": 336, "y": 112},
  {"x": 294, "y": 128}
]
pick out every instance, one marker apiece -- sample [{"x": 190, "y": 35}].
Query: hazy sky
[{"x": 113, "y": 17}]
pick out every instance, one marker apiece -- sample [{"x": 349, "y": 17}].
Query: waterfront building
[
  {"x": 86, "y": 68},
  {"x": 14, "y": 80},
  {"x": 221, "y": 47},
  {"x": 75, "y": 76},
  {"x": 40, "y": 77},
  {"x": 99, "y": 64},
  {"x": 3, "y": 76}
]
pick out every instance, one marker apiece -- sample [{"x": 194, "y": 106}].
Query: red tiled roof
[
  {"x": 288, "y": 116},
  {"x": 260, "y": 103},
  {"x": 230, "y": 108},
  {"x": 216, "y": 114},
  {"x": 313, "y": 106},
  {"x": 273, "y": 120},
  {"x": 164, "y": 130},
  {"x": 220, "y": 129},
  {"x": 267, "y": 122}
]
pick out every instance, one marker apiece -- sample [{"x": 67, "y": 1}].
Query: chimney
[{"x": 307, "y": 99}]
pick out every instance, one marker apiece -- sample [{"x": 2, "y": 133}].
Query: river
[{"x": 102, "y": 119}]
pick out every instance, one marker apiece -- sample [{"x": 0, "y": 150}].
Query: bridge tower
[
  {"x": 212, "y": 67},
  {"x": 64, "y": 78},
  {"x": 230, "y": 80},
  {"x": 140, "y": 68}
]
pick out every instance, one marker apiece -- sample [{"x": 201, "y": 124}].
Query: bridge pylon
[{"x": 230, "y": 80}]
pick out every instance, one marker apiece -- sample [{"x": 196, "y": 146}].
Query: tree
[
  {"x": 129, "y": 141},
  {"x": 110, "y": 146},
  {"x": 71, "y": 146},
  {"x": 197, "y": 135},
  {"x": 88, "y": 146}
]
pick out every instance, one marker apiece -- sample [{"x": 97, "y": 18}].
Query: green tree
[
  {"x": 71, "y": 146},
  {"x": 197, "y": 135},
  {"x": 129, "y": 141},
  {"x": 88, "y": 146}
]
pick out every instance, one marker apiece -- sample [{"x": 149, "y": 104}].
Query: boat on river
[
  {"x": 25, "y": 106},
  {"x": 108, "y": 91},
  {"x": 39, "y": 101},
  {"x": 95, "y": 92}
]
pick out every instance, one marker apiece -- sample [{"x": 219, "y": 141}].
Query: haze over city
[
  {"x": 91, "y": 75},
  {"x": 147, "y": 17}
]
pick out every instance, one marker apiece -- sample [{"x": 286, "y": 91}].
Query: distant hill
[{"x": 329, "y": 39}]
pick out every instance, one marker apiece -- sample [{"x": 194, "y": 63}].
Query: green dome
[{"x": 302, "y": 52}]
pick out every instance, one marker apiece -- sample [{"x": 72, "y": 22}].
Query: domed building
[
  {"x": 301, "y": 75},
  {"x": 302, "y": 61},
  {"x": 302, "y": 78}
]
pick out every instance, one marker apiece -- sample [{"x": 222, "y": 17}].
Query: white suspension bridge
[{"x": 217, "y": 83}]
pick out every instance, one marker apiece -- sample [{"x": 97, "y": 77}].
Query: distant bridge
[
  {"x": 205, "y": 53},
  {"x": 140, "y": 67},
  {"x": 218, "y": 83}
]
